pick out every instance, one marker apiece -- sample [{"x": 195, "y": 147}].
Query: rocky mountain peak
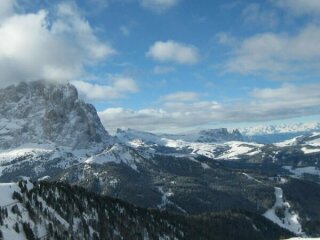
[
  {"x": 43, "y": 112},
  {"x": 219, "y": 135}
]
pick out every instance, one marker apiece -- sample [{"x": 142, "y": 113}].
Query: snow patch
[
  {"x": 299, "y": 172},
  {"x": 307, "y": 150},
  {"x": 290, "y": 220}
]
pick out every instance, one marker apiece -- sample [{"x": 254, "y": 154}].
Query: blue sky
[{"x": 171, "y": 65}]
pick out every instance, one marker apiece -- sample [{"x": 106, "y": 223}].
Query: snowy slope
[
  {"x": 188, "y": 145},
  {"x": 308, "y": 143},
  {"x": 7, "y": 202},
  {"x": 118, "y": 153},
  {"x": 289, "y": 219}
]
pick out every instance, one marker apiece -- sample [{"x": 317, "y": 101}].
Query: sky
[{"x": 171, "y": 65}]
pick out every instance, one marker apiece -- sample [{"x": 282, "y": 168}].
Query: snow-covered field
[{"x": 240, "y": 148}]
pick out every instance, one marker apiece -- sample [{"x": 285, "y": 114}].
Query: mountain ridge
[{"x": 213, "y": 170}]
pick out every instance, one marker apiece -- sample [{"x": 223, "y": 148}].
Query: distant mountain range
[
  {"x": 281, "y": 128},
  {"x": 278, "y": 133},
  {"x": 47, "y": 132}
]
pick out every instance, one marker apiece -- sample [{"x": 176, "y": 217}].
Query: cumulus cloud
[
  {"x": 158, "y": 6},
  {"x": 278, "y": 55},
  {"x": 34, "y": 46},
  {"x": 171, "y": 51},
  {"x": 286, "y": 101},
  {"x": 300, "y": 7},
  {"x": 118, "y": 88}
]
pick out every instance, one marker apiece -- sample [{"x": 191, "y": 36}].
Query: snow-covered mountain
[
  {"x": 45, "y": 127},
  {"x": 278, "y": 133},
  {"x": 281, "y": 128},
  {"x": 46, "y": 131},
  {"x": 214, "y": 143},
  {"x": 48, "y": 113}
]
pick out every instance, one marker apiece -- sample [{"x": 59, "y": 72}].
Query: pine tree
[
  {"x": 28, "y": 231},
  {"x": 16, "y": 227}
]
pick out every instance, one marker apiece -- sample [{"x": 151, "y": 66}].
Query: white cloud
[
  {"x": 286, "y": 101},
  {"x": 254, "y": 14},
  {"x": 300, "y": 7},
  {"x": 7, "y": 8},
  {"x": 163, "y": 69},
  {"x": 118, "y": 88},
  {"x": 278, "y": 55},
  {"x": 181, "y": 97},
  {"x": 34, "y": 46},
  {"x": 158, "y": 6},
  {"x": 171, "y": 51},
  {"x": 172, "y": 117}
]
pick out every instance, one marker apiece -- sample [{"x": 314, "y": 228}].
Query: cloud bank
[{"x": 178, "y": 113}]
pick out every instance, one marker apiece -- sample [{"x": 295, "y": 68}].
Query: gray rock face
[
  {"x": 219, "y": 135},
  {"x": 42, "y": 112}
]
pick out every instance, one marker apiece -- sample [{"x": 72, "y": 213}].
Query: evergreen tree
[
  {"x": 28, "y": 231},
  {"x": 16, "y": 227}
]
